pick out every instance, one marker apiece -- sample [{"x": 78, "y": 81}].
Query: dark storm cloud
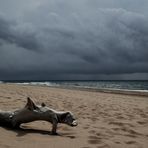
[
  {"x": 75, "y": 40},
  {"x": 23, "y": 37}
]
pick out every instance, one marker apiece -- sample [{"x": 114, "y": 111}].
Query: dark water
[{"x": 129, "y": 85}]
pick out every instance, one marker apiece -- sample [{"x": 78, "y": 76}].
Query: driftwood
[{"x": 32, "y": 112}]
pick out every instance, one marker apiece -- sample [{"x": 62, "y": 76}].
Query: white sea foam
[
  {"x": 42, "y": 83},
  {"x": 138, "y": 86},
  {"x": 23, "y": 83}
]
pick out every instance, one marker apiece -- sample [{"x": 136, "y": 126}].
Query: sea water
[{"x": 111, "y": 84}]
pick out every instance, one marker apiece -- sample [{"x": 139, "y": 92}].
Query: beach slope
[{"x": 106, "y": 120}]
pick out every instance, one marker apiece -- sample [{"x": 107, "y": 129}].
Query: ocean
[{"x": 136, "y": 85}]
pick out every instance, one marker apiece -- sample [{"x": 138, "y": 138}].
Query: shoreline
[
  {"x": 107, "y": 90},
  {"x": 143, "y": 93}
]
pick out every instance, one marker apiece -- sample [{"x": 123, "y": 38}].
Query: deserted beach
[
  {"x": 74, "y": 73},
  {"x": 105, "y": 120}
]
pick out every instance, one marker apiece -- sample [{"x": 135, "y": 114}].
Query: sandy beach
[{"x": 105, "y": 120}]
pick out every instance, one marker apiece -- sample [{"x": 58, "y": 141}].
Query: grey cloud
[
  {"x": 75, "y": 43},
  {"x": 23, "y": 37}
]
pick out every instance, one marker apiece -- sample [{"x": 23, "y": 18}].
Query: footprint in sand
[
  {"x": 72, "y": 137},
  {"x": 92, "y": 131},
  {"x": 130, "y": 132},
  {"x": 117, "y": 142},
  {"x": 121, "y": 124},
  {"x": 86, "y": 127},
  {"x": 94, "y": 119},
  {"x": 142, "y": 122},
  {"x": 134, "y": 143},
  {"x": 95, "y": 140},
  {"x": 131, "y": 142},
  {"x": 94, "y": 137}
]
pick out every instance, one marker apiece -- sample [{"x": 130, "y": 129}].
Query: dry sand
[{"x": 106, "y": 120}]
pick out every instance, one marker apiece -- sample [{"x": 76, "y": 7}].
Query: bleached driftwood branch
[{"x": 32, "y": 112}]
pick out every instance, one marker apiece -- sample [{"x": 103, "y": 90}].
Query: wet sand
[{"x": 106, "y": 120}]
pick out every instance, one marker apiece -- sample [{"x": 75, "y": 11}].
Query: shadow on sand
[{"x": 24, "y": 130}]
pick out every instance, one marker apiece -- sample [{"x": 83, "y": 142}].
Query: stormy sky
[{"x": 73, "y": 39}]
